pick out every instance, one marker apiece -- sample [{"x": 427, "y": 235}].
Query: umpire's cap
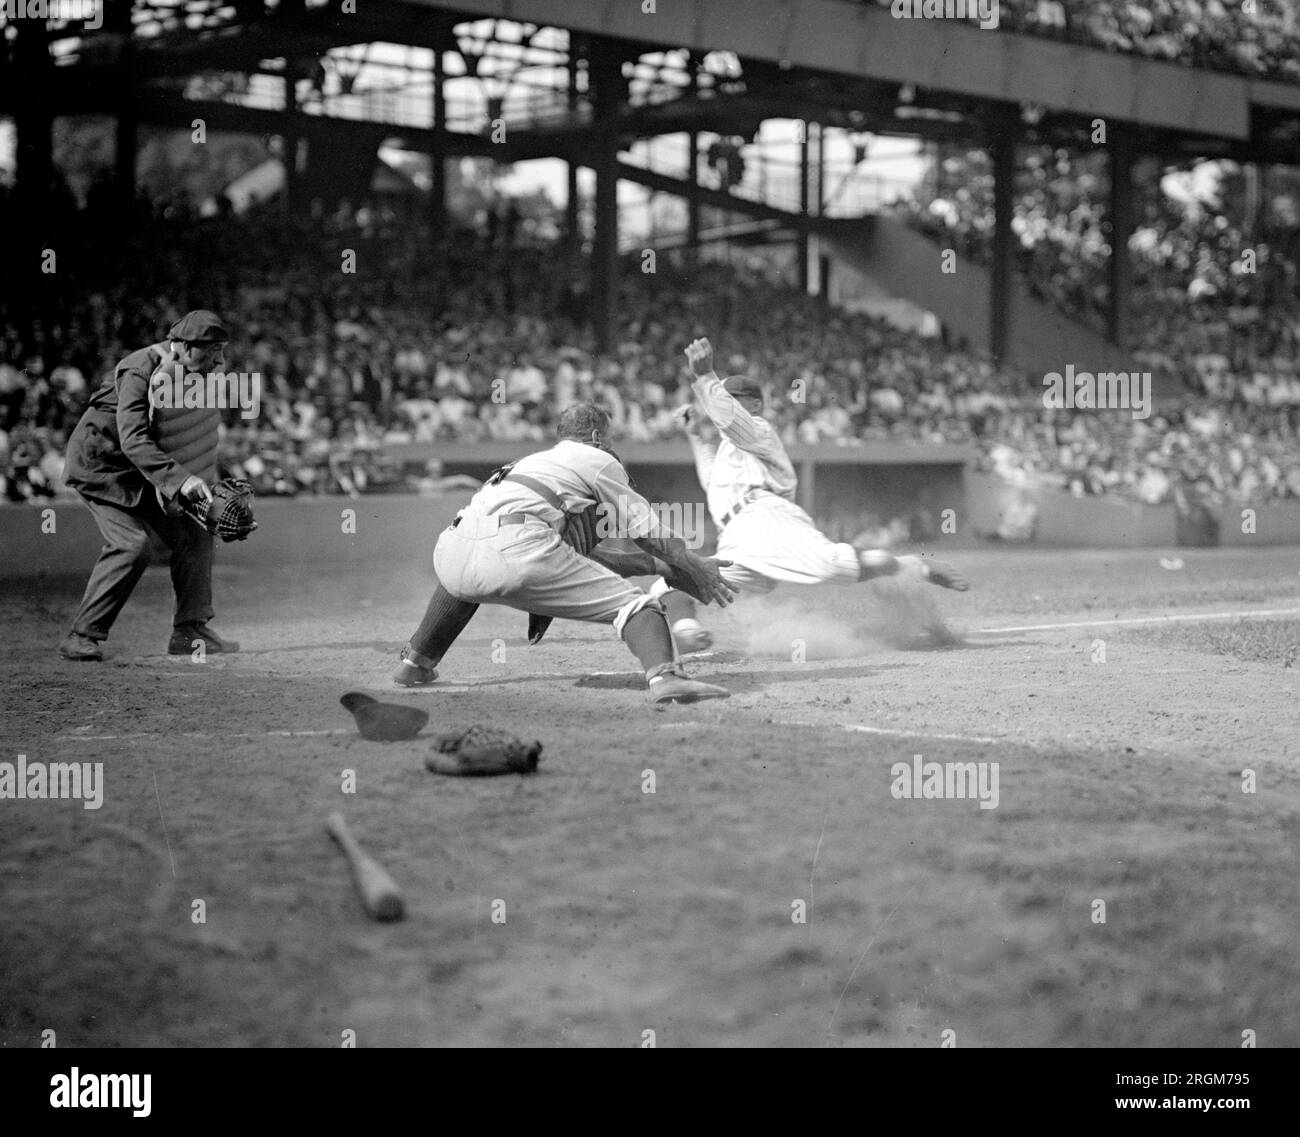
[
  {"x": 742, "y": 387},
  {"x": 199, "y": 326}
]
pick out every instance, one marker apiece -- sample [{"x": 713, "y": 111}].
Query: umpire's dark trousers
[{"x": 125, "y": 556}]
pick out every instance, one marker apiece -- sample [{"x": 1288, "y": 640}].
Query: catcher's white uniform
[
  {"x": 750, "y": 485},
  {"x": 505, "y": 546}
]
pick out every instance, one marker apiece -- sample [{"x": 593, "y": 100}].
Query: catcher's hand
[
  {"x": 700, "y": 356},
  {"x": 226, "y": 511},
  {"x": 482, "y": 751},
  {"x": 701, "y": 577}
]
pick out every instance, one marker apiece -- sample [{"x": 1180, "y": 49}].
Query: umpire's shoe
[
  {"x": 184, "y": 636},
  {"x": 81, "y": 648},
  {"x": 674, "y": 687}
]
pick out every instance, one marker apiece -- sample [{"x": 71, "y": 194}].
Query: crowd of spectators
[
  {"x": 1260, "y": 38},
  {"x": 1236, "y": 455},
  {"x": 474, "y": 342},
  {"x": 1214, "y": 304}
]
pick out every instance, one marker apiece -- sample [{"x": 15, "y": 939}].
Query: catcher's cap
[
  {"x": 579, "y": 420},
  {"x": 742, "y": 387},
  {"x": 199, "y": 326}
]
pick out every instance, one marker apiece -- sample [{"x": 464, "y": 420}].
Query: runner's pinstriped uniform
[{"x": 750, "y": 484}]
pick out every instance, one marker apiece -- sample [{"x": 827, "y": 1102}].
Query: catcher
[
  {"x": 142, "y": 468},
  {"x": 530, "y": 539}
]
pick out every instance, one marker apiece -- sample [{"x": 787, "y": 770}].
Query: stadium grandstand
[{"x": 910, "y": 222}]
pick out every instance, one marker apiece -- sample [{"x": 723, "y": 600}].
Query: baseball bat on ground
[{"x": 379, "y": 894}]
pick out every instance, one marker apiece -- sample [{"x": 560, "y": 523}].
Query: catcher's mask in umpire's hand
[{"x": 229, "y": 515}]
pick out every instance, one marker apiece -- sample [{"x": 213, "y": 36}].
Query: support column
[
  {"x": 693, "y": 201},
  {"x": 572, "y": 236},
  {"x": 117, "y": 19},
  {"x": 24, "y": 285},
  {"x": 289, "y": 142},
  {"x": 802, "y": 242},
  {"x": 610, "y": 87},
  {"x": 125, "y": 149},
  {"x": 693, "y": 172},
  {"x": 34, "y": 158},
  {"x": 437, "y": 144},
  {"x": 1121, "y": 228},
  {"x": 820, "y": 196},
  {"x": 1003, "y": 154},
  {"x": 819, "y": 201}
]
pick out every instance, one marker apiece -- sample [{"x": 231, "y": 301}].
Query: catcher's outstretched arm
[
  {"x": 644, "y": 564},
  {"x": 704, "y": 575},
  {"x": 626, "y": 563}
]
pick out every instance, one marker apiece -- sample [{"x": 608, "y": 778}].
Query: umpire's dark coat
[{"x": 123, "y": 449}]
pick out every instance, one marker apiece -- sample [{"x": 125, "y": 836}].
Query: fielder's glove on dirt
[{"x": 482, "y": 751}]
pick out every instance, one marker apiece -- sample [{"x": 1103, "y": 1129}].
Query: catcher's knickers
[
  {"x": 528, "y": 566},
  {"x": 772, "y": 540}
]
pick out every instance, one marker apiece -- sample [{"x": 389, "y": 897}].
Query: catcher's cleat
[
  {"x": 81, "y": 649},
  {"x": 410, "y": 674},
  {"x": 184, "y": 637},
  {"x": 690, "y": 635},
  {"x": 674, "y": 688},
  {"x": 934, "y": 572}
]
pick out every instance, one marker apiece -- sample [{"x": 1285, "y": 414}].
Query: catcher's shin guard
[
  {"x": 444, "y": 619},
  {"x": 646, "y": 634}
]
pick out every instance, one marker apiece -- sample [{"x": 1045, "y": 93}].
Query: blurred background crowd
[
  {"x": 1260, "y": 38},
  {"x": 484, "y": 334},
  {"x": 475, "y": 340}
]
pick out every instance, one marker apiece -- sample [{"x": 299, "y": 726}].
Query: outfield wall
[
  {"x": 1066, "y": 520},
  {"x": 892, "y": 477},
  {"x": 291, "y": 531},
  {"x": 60, "y": 538}
]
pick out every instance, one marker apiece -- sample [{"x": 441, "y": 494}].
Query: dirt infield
[{"x": 1120, "y": 751}]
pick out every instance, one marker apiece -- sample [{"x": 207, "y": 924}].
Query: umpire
[{"x": 132, "y": 463}]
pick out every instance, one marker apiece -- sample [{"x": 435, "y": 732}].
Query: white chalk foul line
[
  {"x": 852, "y": 728},
  {"x": 856, "y": 728},
  {"x": 197, "y": 734},
  {"x": 1116, "y": 621}
]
